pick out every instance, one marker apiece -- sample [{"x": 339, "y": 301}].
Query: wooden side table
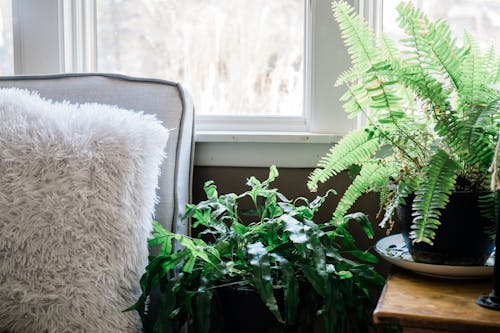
[{"x": 421, "y": 304}]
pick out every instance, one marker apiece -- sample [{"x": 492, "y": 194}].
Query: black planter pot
[
  {"x": 240, "y": 309},
  {"x": 464, "y": 238}
]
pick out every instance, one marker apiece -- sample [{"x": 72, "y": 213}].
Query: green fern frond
[
  {"x": 491, "y": 62},
  {"x": 354, "y": 74},
  {"x": 371, "y": 174},
  {"x": 348, "y": 75},
  {"x": 433, "y": 48},
  {"x": 477, "y": 76},
  {"x": 377, "y": 90},
  {"x": 496, "y": 117},
  {"x": 497, "y": 75},
  {"x": 409, "y": 98},
  {"x": 355, "y": 148},
  {"x": 471, "y": 138},
  {"x": 373, "y": 92},
  {"x": 404, "y": 189},
  {"x": 470, "y": 43},
  {"x": 422, "y": 63},
  {"x": 471, "y": 92},
  {"x": 382, "y": 99},
  {"x": 382, "y": 71},
  {"x": 389, "y": 48},
  {"x": 488, "y": 210},
  {"x": 358, "y": 37},
  {"x": 445, "y": 51},
  {"x": 383, "y": 96},
  {"x": 432, "y": 194},
  {"x": 355, "y": 100},
  {"x": 481, "y": 153}
]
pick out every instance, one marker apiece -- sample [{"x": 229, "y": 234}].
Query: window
[
  {"x": 57, "y": 36},
  {"x": 236, "y": 57},
  {"x": 479, "y": 17},
  {"x": 6, "y": 46},
  {"x": 53, "y": 36}
]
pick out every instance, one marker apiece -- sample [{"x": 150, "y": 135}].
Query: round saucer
[{"x": 393, "y": 249}]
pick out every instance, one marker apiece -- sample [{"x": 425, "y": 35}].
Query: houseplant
[
  {"x": 297, "y": 267},
  {"x": 432, "y": 121}
]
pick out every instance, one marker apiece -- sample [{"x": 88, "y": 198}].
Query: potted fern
[
  {"x": 432, "y": 123},
  {"x": 281, "y": 272}
]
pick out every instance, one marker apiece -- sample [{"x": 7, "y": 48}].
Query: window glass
[
  {"x": 236, "y": 57},
  {"x": 479, "y": 17},
  {"x": 6, "y": 46}
]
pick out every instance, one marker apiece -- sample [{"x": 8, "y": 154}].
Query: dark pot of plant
[
  {"x": 457, "y": 241},
  {"x": 240, "y": 309},
  {"x": 297, "y": 270},
  {"x": 432, "y": 120}
]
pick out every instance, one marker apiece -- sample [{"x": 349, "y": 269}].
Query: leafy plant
[
  {"x": 281, "y": 249},
  {"x": 432, "y": 117}
]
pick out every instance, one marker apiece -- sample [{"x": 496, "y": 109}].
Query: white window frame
[{"x": 53, "y": 36}]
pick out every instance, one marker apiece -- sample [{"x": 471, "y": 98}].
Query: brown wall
[{"x": 292, "y": 183}]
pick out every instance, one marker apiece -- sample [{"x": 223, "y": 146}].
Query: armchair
[{"x": 167, "y": 100}]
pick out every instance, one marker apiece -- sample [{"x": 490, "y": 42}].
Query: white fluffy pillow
[{"x": 77, "y": 192}]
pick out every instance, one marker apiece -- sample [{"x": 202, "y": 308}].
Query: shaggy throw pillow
[{"x": 77, "y": 192}]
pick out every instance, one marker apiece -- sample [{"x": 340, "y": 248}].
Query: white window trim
[
  {"x": 53, "y": 36},
  {"x": 77, "y": 40},
  {"x": 36, "y": 32}
]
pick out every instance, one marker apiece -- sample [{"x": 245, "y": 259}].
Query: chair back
[{"x": 167, "y": 100}]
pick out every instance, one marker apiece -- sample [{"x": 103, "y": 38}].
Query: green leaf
[
  {"x": 404, "y": 188},
  {"x": 167, "y": 302},
  {"x": 161, "y": 236},
  {"x": 364, "y": 255},
  {"x": 189, "y": 264},
  {"x": 358, "y": 37},
  {"x": 291, "y": 287},
  {"x": 354, "y": 171},
  {"x": 210, "y": 190},
  {"x": 345, "y": 275},
  {"x": 355, "y": 148},
  {"x": 347, "y": 239},
  {"x": 171, "y": 262},
  {"x": 202, "y": 302},
  {"x": 364, "y": 222},
  {"x": 239, "y": 228},
  {"x": 196, "y": 247},
  {"x": 273, "y": 174},
  {"x": 295, "y": 229},
  {"x": 432, "y": 195},
  {"x": 371, "y": 174},
  {"x": 261, "y": 269},
  {"x": 315, "y": 278}
]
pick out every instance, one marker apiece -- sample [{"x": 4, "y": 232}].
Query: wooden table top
[{"x": 421, "y": 302}]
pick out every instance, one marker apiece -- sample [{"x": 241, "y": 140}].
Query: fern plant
[
  {"x": 318, "y": 268},
  {"x": 432, "y": 117}
]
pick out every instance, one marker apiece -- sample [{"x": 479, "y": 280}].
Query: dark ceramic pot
[
  {"x": 464, "y": 238},
  {"x": 240, "y": 309}
]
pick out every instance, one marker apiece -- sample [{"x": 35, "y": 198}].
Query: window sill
[
  {"x": 261, "y": 149},
  {"x": 265, "y": 137}
]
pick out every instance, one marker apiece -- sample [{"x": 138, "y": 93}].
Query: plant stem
[
  {"x": 395, "y": 122},
  {"x": 388, "y": 137}
]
